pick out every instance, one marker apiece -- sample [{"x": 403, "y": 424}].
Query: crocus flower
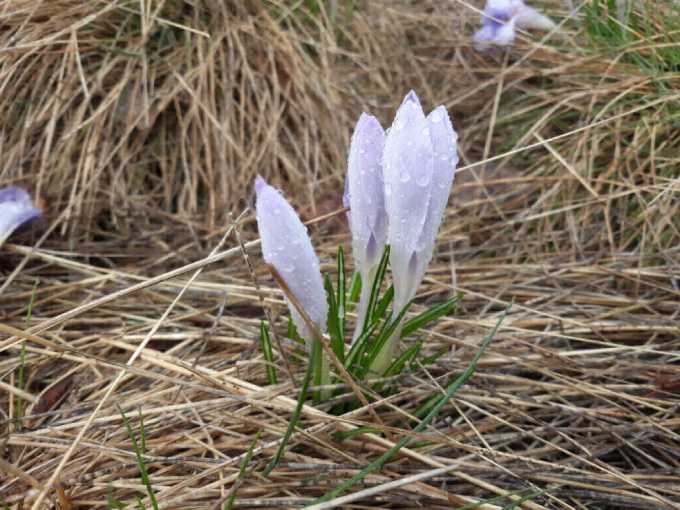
[
  {"x": 364, "y": 195},
  {"x": 16, "y": 208},
  {"x": 287, "y": 247},
  {"x": 419, "y": 161},
  {"x": 500, "y": 19}
]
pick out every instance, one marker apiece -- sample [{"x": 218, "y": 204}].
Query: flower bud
[{"x": 287, "y": 247}]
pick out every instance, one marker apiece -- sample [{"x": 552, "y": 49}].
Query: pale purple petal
[
  {"x": 408, "y": 166},
  {"x": 368, "y": 220},
  {"x": 16, "y": 208},
  {"x": 445, "y": 152},
  {"x": 287, "y": 247}
]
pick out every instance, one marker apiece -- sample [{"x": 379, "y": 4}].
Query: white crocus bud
[
  {"x": 419, "y": 162},
  {"x": 287, "y": 247},
  {"x": 364, "y": 195}
]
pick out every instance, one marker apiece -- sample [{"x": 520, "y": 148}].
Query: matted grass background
[{"x": 140, "y": 127}]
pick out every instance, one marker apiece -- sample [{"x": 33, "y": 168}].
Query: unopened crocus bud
[
  {"x": 419, "y": 160},
  {"x": 364, "y": 195},
  {"x": 500, "y": 19},
  {"x": 287, "y": 247},
  {"x": 16, "y": 208}
]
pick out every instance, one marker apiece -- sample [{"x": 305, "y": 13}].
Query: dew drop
[
  {"x": 426, "y": 131},
  {"x": 404, "y": 176},
  {"x": 362, "y": 151},
  {"x": 423, "y": 180},
  {"x": 443, "y": 157}
]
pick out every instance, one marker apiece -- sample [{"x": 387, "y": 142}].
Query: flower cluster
[
  {"x": 16, "y": 208},
  {"x": 397, "y": 186}
]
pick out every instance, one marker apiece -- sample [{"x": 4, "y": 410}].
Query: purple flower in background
[
  {"x": 16, "y": 208},
  {"x": 364, "y": 195},
  {"x": 500, "y": 19},
  {"x": 419, "y": 161},
  {"x": 287, "y": 247}
]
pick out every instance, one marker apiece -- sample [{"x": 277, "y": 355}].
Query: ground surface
[{"x": 140, "y": 127}]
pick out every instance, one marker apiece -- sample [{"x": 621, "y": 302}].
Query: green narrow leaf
[
  {"x": 242, "y": 470},
  {"x": 428, "y": 316},
  {"x": 451, "y": 389},
  {"x": 341, "y": 298},
  {"x": 292, "y": 332},
  {"x": 296, "y": 412},
  {"x": 406, "y": 357},
  {"x": 267, "y": 352},
  {"x": 139, "y": 453},
  {"x": 317, "y": 359},
  {"x": 334, "y": 327},
  {"x": 383, "y": 304},
  {"x": 341, "y": 435},
  {"x": 434, "y": 357},
  {"x": 354, "y": 287},
  {"x": 376, "y": 284},
  {"x": 111, "y": 501},
  {"x": 356, "y": 352}
]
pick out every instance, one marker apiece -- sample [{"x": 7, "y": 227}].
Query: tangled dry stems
[{"x": 141, "y": 133}]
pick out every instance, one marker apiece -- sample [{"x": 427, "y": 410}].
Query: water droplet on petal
[
  {"x": 443, "y": 157},
  {"x": 426, "y": 131},
  {"x": 404, "y": 176},
  {"x": 423, "y": 180},
  {"x": 362, "y": 151}
]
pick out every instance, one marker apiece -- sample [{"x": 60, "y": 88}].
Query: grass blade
[
  {"x": 334, "y": 320},
  {"x": 341, "y": 298},
  {"x": 242, "y": 472},
  {"x": 139, "y": 453},
  {"x": 316, "y": 348},
  {"x": 423, "y": 319},
  {"x": 267, "y": 352}
]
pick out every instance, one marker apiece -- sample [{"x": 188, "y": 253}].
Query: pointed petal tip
[
  {"x": 260, "y": 183},
  {"x": 412, "y": 97}
]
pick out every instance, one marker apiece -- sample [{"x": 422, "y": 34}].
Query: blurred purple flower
[
  {"x": 16, "y": 208},
  {"x": 419, "y": 160},
  {"x": 364, "y": 195},
  {"x": 287, "y": 247},
  {"x": 500, "y": 19}
]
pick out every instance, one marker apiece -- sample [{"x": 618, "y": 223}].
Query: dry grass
[{"x": 142, "y": 134}]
